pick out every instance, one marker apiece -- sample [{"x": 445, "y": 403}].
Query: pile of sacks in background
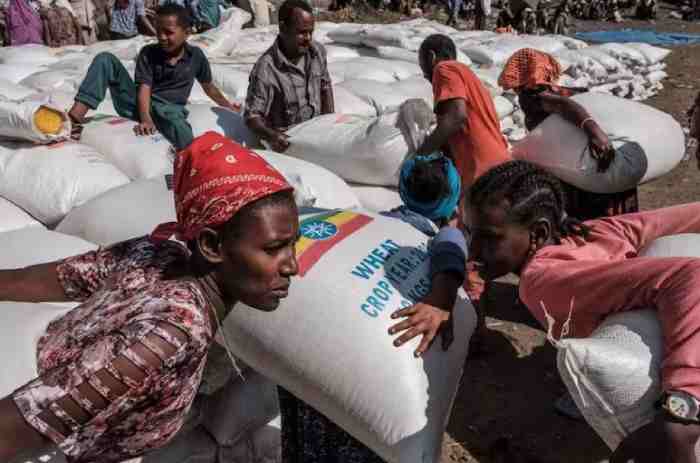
[
  {"x": 374, "y": 69},
  {"x": 345, "y": 160}
]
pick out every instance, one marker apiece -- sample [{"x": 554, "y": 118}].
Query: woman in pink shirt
[{"x": 519, "y": 225}]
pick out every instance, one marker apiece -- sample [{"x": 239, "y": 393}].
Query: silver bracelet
[{"x": 583, "y": 123}]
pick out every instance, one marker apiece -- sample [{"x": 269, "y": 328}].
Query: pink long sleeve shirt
[{"x": 604, "y": 275}]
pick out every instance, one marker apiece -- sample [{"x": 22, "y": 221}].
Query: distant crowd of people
[
  {"x": 59, "y": 23},
  {"x": 117, "y": 375}
]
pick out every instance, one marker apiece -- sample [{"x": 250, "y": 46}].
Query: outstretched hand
[
  {"x": 429, "y": 317},
  {"x": 279, "y": 142},
  {"x": 424, "y": 320}
]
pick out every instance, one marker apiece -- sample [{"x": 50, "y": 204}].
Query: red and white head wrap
[
  {"x": 528, "y": 68},
  {"x": 214, "y": 178}
]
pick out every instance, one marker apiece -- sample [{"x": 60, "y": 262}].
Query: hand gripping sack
[
  {"x": 137, "y": 156},
  {"x": 327, "y": 343},
  {"x": 614, "y": 375},
  {"x": 359, "y": 149},
  {"x": 647, "y": 146},
  {"x": 33, "y": 121},
  {"x": 49, "y": 181}
]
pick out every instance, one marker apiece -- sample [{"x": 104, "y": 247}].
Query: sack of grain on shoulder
[
  {"x": 647, "y": 146},
  {"x": 614, "y": 376},
  {"x": 342, "y": 361}
]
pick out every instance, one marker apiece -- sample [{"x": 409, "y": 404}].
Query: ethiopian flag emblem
[{"x": 320, "y": 233}]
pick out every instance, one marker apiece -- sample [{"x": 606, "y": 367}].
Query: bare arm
[
  {"x": 565, "y": 107},
  {"x": 327, "y": 100},
  {"x": 217, "y": 97},
  {"x": 577, "y": 115},
  {"x": 38, "y": 283},
  {"x": 432, "y": 314},
  {"x": 143, "y": 101},
  {"x": 16, "y": 436},
  {"x": 278, "y": 140},
  {"x": 658, "y": 440},
  {"x": 451, "y": 117}
]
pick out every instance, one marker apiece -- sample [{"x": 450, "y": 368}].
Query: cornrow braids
[{"x": 531, "y": 192}]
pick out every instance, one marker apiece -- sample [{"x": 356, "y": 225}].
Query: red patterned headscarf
[
  {"x": 214, "y": 178},
  {"x": 528, "y": 68}
]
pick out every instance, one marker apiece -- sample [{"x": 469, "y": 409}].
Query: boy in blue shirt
[{"x": 165, "y": 74}]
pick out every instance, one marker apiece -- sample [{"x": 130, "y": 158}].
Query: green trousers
[
  {"x": 208, "y": 13},
  {"x": 107, "y": 72}
]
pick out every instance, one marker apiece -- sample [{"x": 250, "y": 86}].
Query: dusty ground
[{"x": 508, "y": 392}]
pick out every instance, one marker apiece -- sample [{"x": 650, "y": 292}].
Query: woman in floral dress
[{"x": 117, "y": 374}]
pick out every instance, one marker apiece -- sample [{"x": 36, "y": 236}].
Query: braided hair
[{"x": 532, "y": 193}]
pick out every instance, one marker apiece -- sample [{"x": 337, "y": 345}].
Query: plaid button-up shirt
[{"x": 285, "y": 94}]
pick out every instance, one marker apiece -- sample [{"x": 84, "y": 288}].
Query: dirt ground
[{"x": 508, "y": 392}]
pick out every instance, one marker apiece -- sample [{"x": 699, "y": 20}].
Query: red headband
[{"x": 214, "y": 178}]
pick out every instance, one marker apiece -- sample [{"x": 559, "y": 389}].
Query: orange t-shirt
[{"x": 480, "y": 145}]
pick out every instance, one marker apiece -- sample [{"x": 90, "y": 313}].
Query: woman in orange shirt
[{"x": 468, "y": 129}]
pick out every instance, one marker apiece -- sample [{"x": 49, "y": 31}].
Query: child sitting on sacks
[
  {"x": 574, "y": 274},
  {"x": 430, "y": 187},
  {"x": 165, "y": 73}
]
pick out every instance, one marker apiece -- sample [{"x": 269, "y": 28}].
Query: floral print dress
[{"x": 130, "y": 311}]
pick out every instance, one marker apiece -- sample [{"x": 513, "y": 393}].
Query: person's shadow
[{"x": 504, "y": 409}]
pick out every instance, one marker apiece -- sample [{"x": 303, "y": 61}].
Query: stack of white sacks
[
  {"x": 347, "y": 160},
  {"x": 374, "y": 69}
]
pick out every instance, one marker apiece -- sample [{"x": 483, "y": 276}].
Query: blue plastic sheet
[{"x": 639, "y": 35}]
